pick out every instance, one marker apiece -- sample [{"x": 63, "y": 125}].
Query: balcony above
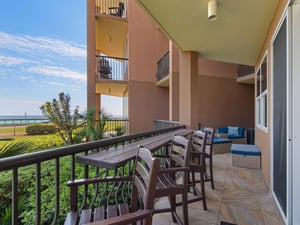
[
  {"x": 111, "y": 27},
  {"x": 111, "y": 75},
  {"x": 115, "y": 8},
  {"x": 163, "y": 70},
  {"x": 246, "y": 74}
]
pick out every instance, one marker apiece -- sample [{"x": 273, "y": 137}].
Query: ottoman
[
  {"x": 221, "y": 145},
  {"x": 245, "y": 156}
]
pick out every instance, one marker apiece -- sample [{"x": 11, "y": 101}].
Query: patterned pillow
[{"x": 233, "y": 131}]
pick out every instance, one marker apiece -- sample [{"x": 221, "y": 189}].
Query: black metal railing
[
  {"x": 244, "y": 70},
  {"x": 163, "y": 66},
  {"x": 112, "y": 68},
  {"x": 13, "y": 127},
  {"x": 42, "y": 177},
  {"x": 159, "y": 124},
  {"x": 116, "y": 127},
  {"x": 111, "y": 7}
]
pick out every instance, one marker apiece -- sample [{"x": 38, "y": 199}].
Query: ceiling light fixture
[{"x": 212, "y": 10}]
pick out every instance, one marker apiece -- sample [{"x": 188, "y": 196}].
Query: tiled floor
[{"x": 241, "y": 197}]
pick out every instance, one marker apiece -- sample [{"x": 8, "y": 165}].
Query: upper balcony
[
  {"x": 163, "y": 70},
  {"x": 111, "y": 75},
  {"x": 246, "y": 73},
  {"x": 111, "y": 27},
  {"x": 116, "y": 8}
]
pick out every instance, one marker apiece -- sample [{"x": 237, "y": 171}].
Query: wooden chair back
[
  {"x": 199, "y": 139},
  {"x": 168, "y": 184},
  {"x": 210, "y": 137},
  {"x": 144, "y": 181},
  {"x": 209, "y": 154},
  {"x": 197, "y": 165},
  {"x": 145, "y": 178},
  {"x": 180, "y": 151}
]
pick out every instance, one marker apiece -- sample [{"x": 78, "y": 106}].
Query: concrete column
[
  {"x": 98, "y": 106},
  {"x": 188, "y": 94},
  {"x": 91, "y": 49}
]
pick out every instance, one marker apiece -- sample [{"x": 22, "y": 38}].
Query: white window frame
[{"x": 261, "y": 102}]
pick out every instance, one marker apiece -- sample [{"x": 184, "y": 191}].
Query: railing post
[{"x": 15, "y": 197}]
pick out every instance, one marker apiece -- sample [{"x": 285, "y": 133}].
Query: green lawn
[{"x": 10, "y": 130}]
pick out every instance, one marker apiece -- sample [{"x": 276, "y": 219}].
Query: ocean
[{"x": 25, "y": 119}]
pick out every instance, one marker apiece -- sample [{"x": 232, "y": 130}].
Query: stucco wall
[
  {"x": 146, "y": 45},
  {"x": 149, "y": 103},
  {"x": 223, "y": 102},
  {"x": 262, "y": 138}
]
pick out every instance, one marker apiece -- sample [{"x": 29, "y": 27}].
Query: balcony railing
[
  {"x": 13, "y": 127},
  {"x": 244, "y": 70},
  {"x": 159, "y": 124},
  {"x": 45, "y": 185},
  {"x": 163, "y": 66},
  {"x": 111, "y": 7},
  {"x": 112, "y": 68}
]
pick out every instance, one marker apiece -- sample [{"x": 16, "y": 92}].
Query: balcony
[
  {"x": 112, "y": 68},
  {"x": 111, "y": 75},
  {"x": 241, "y": 195},
  {"x": 246, "y": 74},
  {"x": 116, "y": 8},
  {"x": 163, "y": 70}
]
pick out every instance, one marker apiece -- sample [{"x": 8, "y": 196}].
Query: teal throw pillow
[{"x": 233, "y": 131}]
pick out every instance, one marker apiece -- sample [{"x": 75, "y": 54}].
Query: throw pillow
[{"x": 233, "y": 131}]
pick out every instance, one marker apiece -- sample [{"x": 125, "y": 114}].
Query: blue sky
[{"x": 42, "y": 53}]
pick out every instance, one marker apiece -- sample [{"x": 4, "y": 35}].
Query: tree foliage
[
  {"x": 95, "y": 129},
  {"x": 59, "y": 112},
  {"x": 12, "y": 148}
]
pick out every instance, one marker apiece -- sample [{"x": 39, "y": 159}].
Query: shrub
[{"x": 40, "y": 129}]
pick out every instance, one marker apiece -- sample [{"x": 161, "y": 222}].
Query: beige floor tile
[
  {"x": 241, "y": 196},
  {"x": 240, "y": 215}
]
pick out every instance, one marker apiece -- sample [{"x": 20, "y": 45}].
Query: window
[{"x": 262, "y": 95}]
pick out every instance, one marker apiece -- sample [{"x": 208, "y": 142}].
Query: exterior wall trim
[{"x": 295, "y": 217}]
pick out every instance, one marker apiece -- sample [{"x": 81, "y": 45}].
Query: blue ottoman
[{"x": 246, "y": 156}]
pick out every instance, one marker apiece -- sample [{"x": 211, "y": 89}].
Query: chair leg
[
  {"x": 185, "y": 209},
  {"x": 211, "y": 173},
  {"x": 202, "y": 184},
  {"x": 173, "y": 207},
  {"x": 194, "y": 183}
]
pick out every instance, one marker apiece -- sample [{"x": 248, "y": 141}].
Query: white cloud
[
  {"x": 22, "y": 78},
  {"x": 26, "y": 43},
  {"x": 62, "y": 84},
  {"x": 54, "y": 71},
  {"x": 11, "y": 61}
]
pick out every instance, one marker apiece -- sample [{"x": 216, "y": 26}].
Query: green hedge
[{"x": 40, "y": 129}]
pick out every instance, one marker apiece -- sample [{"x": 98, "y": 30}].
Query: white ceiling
[{"x": 236, "y": 36}]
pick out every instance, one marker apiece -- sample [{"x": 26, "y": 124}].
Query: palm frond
[{"x": 12, "y": 148}]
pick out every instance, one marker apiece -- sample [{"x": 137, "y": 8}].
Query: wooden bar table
[{"x": 118, "y": 156}]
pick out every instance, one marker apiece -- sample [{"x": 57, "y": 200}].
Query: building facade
[
  {"x": 264, "y": 34},
  {"x": 152, "y": 68}
]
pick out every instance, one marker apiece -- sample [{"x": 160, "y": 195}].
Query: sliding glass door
[{"x": 280, "y": 116}]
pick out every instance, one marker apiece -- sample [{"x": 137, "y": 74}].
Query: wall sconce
[{"x": 212, "y": 10}]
